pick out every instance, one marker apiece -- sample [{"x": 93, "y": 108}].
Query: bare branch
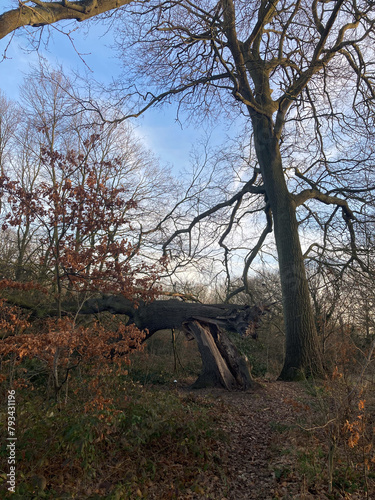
[
  {"x": 248, "y": 188},
  {"x": 309, "y": 194},
  {"x": 46, "y": 13}
]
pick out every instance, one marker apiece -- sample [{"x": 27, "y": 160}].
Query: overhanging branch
[
  {"x": 37, "y": 13},
  {"x": 251, "y": 256}
]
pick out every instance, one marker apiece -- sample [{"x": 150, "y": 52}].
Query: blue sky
[{"x": 170, "y": 141}]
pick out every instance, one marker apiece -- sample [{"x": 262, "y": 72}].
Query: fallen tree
[{"x": 222, "y": 363}]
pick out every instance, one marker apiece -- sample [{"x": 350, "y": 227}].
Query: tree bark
[
  {"x": 45, "y": 13},
  {"x": 222, "y": 364},
  {"x": 215, "y": 371},
  {"x": 302, "y": 353},
  {"x": 168, "y": 314}
]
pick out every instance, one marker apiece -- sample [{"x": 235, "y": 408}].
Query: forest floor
[
  {"x": 279, "y": 438},
  {"x": 274, "y": 450},
  {"x": 160, "y": 440},
  {"x": 256, "y": 466}
]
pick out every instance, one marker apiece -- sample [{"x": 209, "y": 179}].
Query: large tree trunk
[{"x": 302, "y": 353}]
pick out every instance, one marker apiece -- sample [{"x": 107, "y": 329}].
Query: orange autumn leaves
[
  {"x": 80, "y": 224},
  {"x": 83, "y": 243},
  {"x": 95, "y": 343},
  {"x": 61, "y": 345}
]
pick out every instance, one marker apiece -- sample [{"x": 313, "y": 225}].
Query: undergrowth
[
  {"x": 146, "y": 440},
  {"x": 333, "y": 431}
]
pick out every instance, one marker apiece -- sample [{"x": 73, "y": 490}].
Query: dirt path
[
  {"x": 258, "y": 424},
  {"x": 278, "y": 448},
  {"x": 258, "y": 419}
]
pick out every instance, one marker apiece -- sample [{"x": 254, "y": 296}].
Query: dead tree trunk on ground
[{"x": 222, "y": 363}]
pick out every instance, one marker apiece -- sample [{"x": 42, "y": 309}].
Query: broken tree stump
[{"x": 222, "y": 363}]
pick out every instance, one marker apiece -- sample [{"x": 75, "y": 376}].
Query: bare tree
[
  {"x": 9, "y": 122},
  {"x": 50, "y": 121},
  {"x": 286, "y": 66},
  {"x": 301, "y": 73}
]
